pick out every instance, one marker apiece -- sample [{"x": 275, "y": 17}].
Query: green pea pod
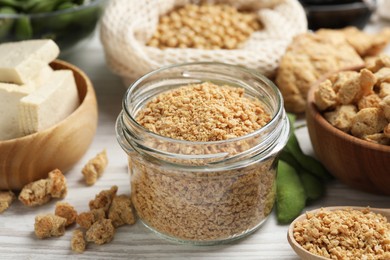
[
  {"x": 66, "y": 5},
  {"x": 23, "y": 29},
  {"x": 314, "y": 188},
  {"x": 6, "y": 23},
  {"x": 60, "y": 22},
  {"x": 290, "y": 193},
  {"x": 290, "y": 159},
  {"x": 86, "y": 18},
  {"x": 307, "y": 162},
  {"x": 43, "y": 6}
]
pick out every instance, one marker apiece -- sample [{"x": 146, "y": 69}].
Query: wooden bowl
[
  {"x": 29, "y": 158},
  {"x": 358, "y": 163}
]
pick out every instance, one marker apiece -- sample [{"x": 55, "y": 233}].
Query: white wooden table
[{"x": 17, "y": 238}]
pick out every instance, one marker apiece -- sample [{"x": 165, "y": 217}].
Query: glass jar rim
[{"x": 273, "y": 121}]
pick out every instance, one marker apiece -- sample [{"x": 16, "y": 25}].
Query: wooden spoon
[{"x": 306, "y": 255}]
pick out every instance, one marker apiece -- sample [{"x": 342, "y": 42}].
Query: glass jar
[{"x": 202, "y": 192}]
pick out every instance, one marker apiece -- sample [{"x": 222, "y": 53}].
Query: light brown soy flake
[
  {"x": 342, "y": 234},
  {"x": 325, "y": 96},
  {"x": 95, "y": 168},
  {"x": 380, "y": 62},
  {"x": 49, "y": 225},
  {"x": 357, "y": 87},
  {"x": 342, "y": 78},
  {"x": 203, "y": 112},
  {"x": 67, "y": 211},
  {"x": 368, "y": 101},
  {"x": 101, "y": 232},
  {"x": 383, "y": 75},
  {"x": 368, "y": 121},
  {"x": 385, "y": 105},
  {"x": 342, "y": 117},
  {"x": 103, "y": 199},
  {"x": 386, "y": 130},
  {"x": 35, "y": 193},
  {"x": 378, "y": 138},
  {"x": 121, "y": 212},
  {"x": 384, "y": 90},
  {"x": 57, "y": 184},
  {"x": 78, "y": 243},
  {"x": 6, "y": 198},
  {"x": 86, "y": 219}
]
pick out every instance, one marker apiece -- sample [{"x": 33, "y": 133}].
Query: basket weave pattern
[{"x": 128, "y": 24}]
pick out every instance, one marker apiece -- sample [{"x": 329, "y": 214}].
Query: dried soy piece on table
[
  {"x": 67, "y": 211},
  {"x": 101, "y": 232},
  {"x": 40, "y": 192},
  {"x": 95, "y": 168},
  {"x": 49, "y": 225},
  {"x": 6, "y": 198},
  {"x": 78, "y": 243}
]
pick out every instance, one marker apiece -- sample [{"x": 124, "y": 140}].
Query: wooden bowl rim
[
  {"x": 323, "y": 123},
  {"x": 88, "y": 93}
]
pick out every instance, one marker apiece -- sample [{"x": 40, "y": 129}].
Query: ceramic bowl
[
  {"x": 338, "y": 13},
  {"x": 29, "y": 158}
]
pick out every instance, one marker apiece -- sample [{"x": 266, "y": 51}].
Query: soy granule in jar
[
  {"x": 203, "y": 205},
  {"x": 203, "y": 113},
  {"x": 345, "y": 234}
]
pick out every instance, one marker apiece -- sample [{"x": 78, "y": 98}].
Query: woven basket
[{"x": 127, "y": 25}]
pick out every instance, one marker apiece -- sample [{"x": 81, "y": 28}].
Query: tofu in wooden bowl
[
  {"x": 348, "y": 118},
  {"x": 48, "y": 113}
]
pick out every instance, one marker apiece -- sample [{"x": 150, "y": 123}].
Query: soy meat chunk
[
  {"x": 368, "y": 121},
  {"x": 101, "y": 232},
  {"x": 121, "y": 212},
  {"x": 67, "y": 211},
  {"x": 95, "y": 168},
  {"x": 40, "y": 192},
  {"x": 386, "y": 130},
  {"x": 385, "y": 105},
  {"x": 78, "y": 243},
  {"x": 342, "y": 117},
  {"x": 103, "y": 199},
  {"x": 57, "y": 184},
  {"x": 49, "y": 225},
  {"x": 372, "y": 100},
  {"x": 6, "y": 198},
  {"x": 383, "y": 75},
  {"x": 382, "y": 61},
  {"x": 378, "y": 138},
  {"x": 357, "y": 87},
  {"x": 325, "y": 96},
  {"x": 384, "y": 90},
  {"x": 342, "y": 78},
  {"x": 35, "y": 193},
  {"x": 87, "y": 219}
]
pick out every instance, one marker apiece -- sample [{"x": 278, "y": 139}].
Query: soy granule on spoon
[{"x": 345, "y": 234}]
